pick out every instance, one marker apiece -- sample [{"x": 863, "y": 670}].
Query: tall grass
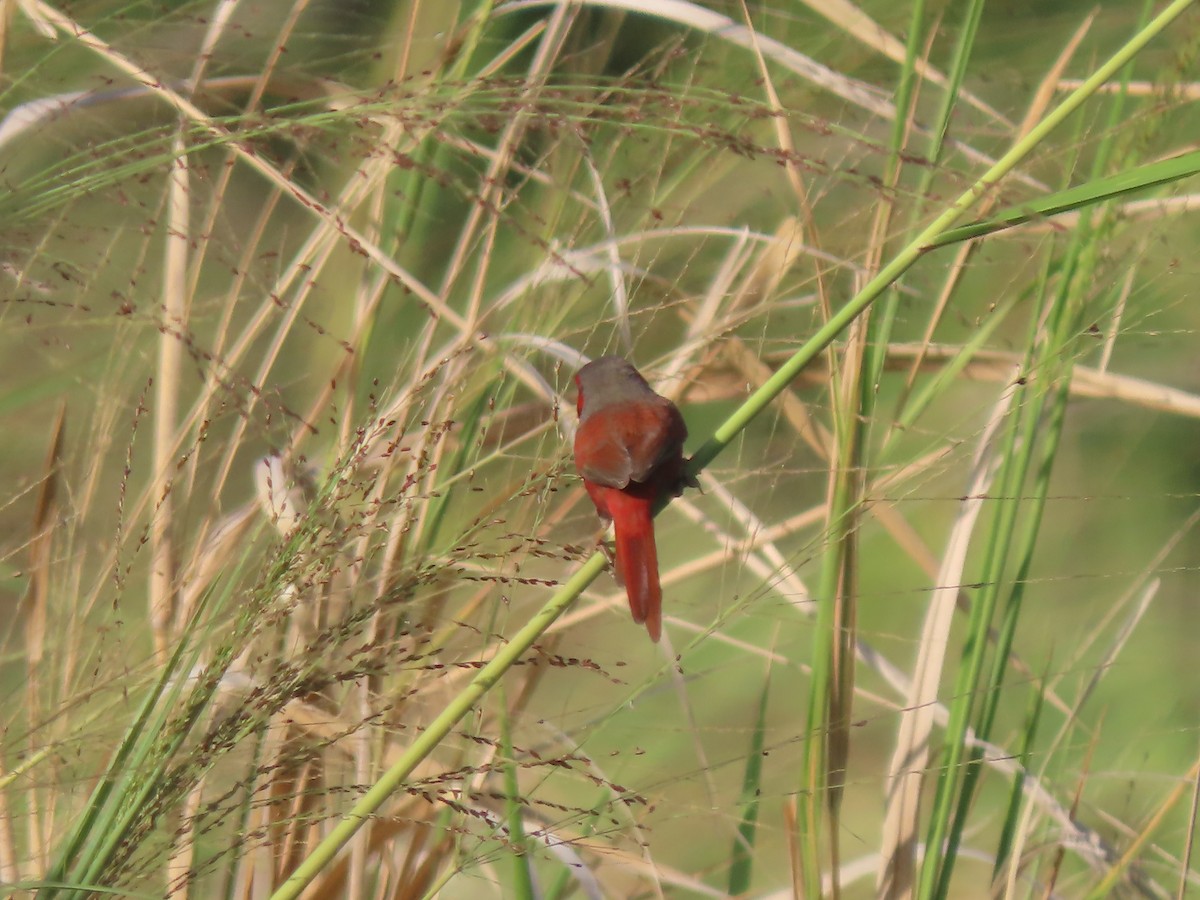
[{"x": 307, "y": 596}]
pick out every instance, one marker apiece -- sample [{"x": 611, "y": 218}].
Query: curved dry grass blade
[
  {"x": 28, "y": 116},
  {"x": 692, "y": 15},
  {"x": 614, "y": 270},
  {"x": 908, "y": 768}
]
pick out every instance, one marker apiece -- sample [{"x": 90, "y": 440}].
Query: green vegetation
[{"x": 306, "y": 594}]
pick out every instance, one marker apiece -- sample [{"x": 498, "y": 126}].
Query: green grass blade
[
  {"x": 1016, "y": 794},
  {"x": 741, "y": 868},
  {"x": 514, "y": 812},
  {"x": 1156, "y": 174},
  {"x": 957, "y": 73},
  {"x": 96, "y": 824}
]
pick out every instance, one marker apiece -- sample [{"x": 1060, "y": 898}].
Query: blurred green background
[{"x": 677, "y": 127}]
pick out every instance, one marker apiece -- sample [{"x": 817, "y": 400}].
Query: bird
[{"x": 629, "y": 453}]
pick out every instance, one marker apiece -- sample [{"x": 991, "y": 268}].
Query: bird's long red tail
[{"x": 637, "y": 557}]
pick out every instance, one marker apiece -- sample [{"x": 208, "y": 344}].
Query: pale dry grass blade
[
  {"x": 35, "y": 607},
  {"x": 808, "y": 426},
  {"x": 8, "y": 9},
  {"x": 807, "y": 222},
  {"x": 280, "y": 46},
  {"x": 179, "y": 866},
  {"x": 562, "y": 266},
  {"x": 215, "y": 549},
  {"x": 997, "y": 366},
  {"x": 24, "y": 118},
  {"x": 684, "y": 700},
  {"x": 758, "y": 286},
  {"x": 563, "y": 848},
  {"x": 775, "y": 261},
  {"x": 907, "y": 538},
  {"x": 568, "y": 264},
  {"x": 614, "y": 269},
  {"x": 177, "y": 294},
  {"x": 766, "y": 561},
  {"x": 1188, "y": 90},
  {"x": 167, "y": 388},
  {"x": 217, "y": 26},
  {"x": 489, "y": 203},
  {"x": 1121, "y": 872},
  {"x": 783, "y": 135},
  {"x": 1116, "y": 646},
  {"x": 1136, "y": 392},
  {"x": 37, "y": 615},
  {"x": 410, "y": 32},
  {"x": 1084, "y": 842},
  {"x": 908, "y": 768},
  {"x": 10, "y": 871},
  {"x": 1118, "y": 313},
  {"x": 703, "y": 318},
  {"x": 791, "y": 831},
  {"x": 218, "y": 377},
  {"x": 693, "y": 15},
  {"x": 31, "y": 12},
  {"x": 1044, "y": 95}
]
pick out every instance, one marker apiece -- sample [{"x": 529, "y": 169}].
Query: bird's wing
[
  {"x": 620, "y": 444},
  {"x": 601, "y": 454},
  {"x": 659, "y": 436}
]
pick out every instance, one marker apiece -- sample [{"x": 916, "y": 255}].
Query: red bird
[{"x": 629, "y": 451}]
